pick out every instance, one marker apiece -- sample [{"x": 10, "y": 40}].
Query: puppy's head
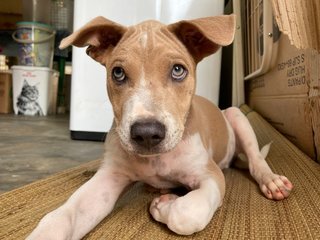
[{"x": 151, "y": 73}]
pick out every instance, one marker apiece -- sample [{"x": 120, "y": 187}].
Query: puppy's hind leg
[{"x": 272, "y": 185}]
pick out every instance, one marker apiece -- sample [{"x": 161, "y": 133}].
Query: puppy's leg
[
  {"x": 190, "y": 213},
  {"x": 272, "y": 185},
  {"x": 84, "y": 209}
]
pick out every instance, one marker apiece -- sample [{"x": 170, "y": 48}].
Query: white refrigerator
[{"x": 91, "y": 112}]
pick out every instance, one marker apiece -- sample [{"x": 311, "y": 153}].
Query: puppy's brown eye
[
  {"x": 119, "y": 75},
  {"x": 178, "y": 72}
]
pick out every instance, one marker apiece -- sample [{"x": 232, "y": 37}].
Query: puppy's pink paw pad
[
  {"x": 160, "y": 207},
  {"x": 276, "y": 187},
  {"x": 168, "y": 197}
]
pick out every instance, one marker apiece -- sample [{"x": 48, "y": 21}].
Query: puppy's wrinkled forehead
[
  {"x": 147, "y": 33},
  {"x": 148, "y": 36}
]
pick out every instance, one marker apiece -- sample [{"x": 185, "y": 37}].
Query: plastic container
[
  {"x": 36, "y": 44},
  {"x": 34, "y": 90}
]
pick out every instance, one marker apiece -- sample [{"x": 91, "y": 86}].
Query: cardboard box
[
  {"x": 288, "y": 96},
  {"x": 6, "y": 92},
  {"x": 12, "y": 6},
  {"x": 10, "y": 14},
  {"x": 300, "y": 21}
]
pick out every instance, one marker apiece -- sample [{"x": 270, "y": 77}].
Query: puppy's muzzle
[{"x": 147, "y": 133}]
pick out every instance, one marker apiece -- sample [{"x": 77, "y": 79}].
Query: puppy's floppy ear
[
  {"x": 204, "y": 36},
  {"x": 99, "y": 34}
]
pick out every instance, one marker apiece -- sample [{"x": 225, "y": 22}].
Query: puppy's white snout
[{"x": 147, "y": 133}]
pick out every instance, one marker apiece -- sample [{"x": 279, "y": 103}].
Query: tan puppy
[{"x": 163, "y": 134}]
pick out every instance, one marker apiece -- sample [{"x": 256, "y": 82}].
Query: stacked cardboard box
[
  {"x": 288, "y": 95},
  {"x": 5, "y": 92}
]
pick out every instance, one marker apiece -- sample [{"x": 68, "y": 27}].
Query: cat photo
[{"x": 27, "y": 100}]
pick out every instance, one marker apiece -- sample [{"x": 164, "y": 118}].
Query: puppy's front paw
[
  {"x": 276, "y": 187},
  {"x": 160, "y": 207},
  {"x": 47, "y": 233},
  {"x": 181, "y": 215},
  {"x": 55, "y": 225}
]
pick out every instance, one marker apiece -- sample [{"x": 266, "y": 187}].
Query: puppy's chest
[{"x": 182, "y": 166}]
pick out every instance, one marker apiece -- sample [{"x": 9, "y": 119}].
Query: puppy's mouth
[
  {"x": 146, "y": 152},
  {"x": 149, "y": 155}
]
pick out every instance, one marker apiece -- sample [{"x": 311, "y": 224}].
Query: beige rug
[{"x": 245, "y": 213}]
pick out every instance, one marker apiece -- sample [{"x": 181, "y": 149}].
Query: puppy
[{"x": 163, "y": 134}]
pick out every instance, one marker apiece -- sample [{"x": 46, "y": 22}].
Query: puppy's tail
[
  {"x": 265, "y": 149},
  {"x": 241, "y": 160}
]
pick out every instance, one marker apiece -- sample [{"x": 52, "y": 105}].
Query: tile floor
[{"x": 32, "y": 148}]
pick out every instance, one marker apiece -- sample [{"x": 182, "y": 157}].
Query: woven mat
[{"x": 245, "y": 213}]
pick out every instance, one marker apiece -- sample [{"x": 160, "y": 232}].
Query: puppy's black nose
[{"x": 147, "y": 133}]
